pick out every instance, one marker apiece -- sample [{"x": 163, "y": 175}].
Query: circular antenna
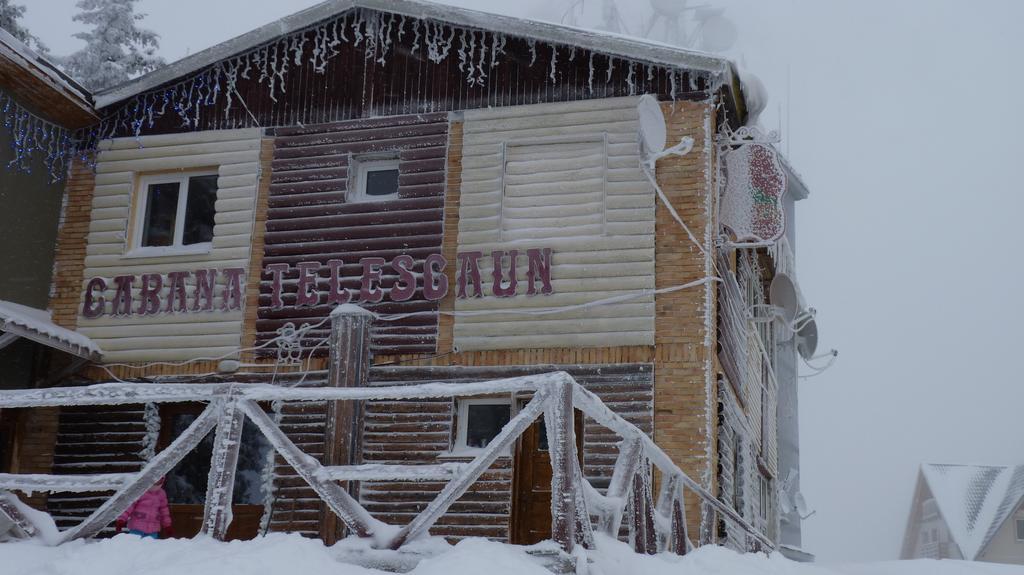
[
  {"x": 782, "y": 294},
  {"x": 807, "y": 339},
  {"x": 652, "y": 124},
  {"x": 717, "y": 34}
]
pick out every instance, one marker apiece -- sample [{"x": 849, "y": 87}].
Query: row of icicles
[{"x": 478, "y": 52}]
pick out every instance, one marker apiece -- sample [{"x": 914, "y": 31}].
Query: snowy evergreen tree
[
  {"x": 10, "y": 14},
  {"x": 116, "y": 50}
]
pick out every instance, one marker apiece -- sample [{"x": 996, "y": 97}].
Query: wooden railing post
[
  {"x": 643, "y": 514},
  {"x": 560, "y": 425},
  {"x": 223, "y": 463},
  {"x": 622, "y": 477},
  {"x": 348, "y": 366}
]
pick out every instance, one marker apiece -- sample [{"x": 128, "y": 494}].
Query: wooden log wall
[
  {"x": 95, "y": 439},
  {"x": 563, "y": 176},
  {"x": 234, "y": 156},
  {"x": 310, "y": 219},
  {"x": 420, "y": 432}
]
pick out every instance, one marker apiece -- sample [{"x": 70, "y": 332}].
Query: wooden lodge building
[{"x": 480, "y": 184}]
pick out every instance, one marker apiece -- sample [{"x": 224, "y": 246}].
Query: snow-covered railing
[{"x": 654, "y": 525}]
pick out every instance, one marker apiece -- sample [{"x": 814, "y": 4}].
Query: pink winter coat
[{"x": 150, "y": 513}]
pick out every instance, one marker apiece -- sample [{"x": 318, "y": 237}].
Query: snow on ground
[{"x": 281, "y": 554}]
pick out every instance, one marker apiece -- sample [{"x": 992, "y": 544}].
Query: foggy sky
[{"x": 904, "y": 121}]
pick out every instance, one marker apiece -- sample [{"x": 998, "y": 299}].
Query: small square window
[
  {"x": 375, "y": 180},
  {"x": 1020, "y": 530},
  {"x": 169, "y": 218},
  {"x": 480, "y": 421}
]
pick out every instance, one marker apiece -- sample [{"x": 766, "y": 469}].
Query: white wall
[
  {"x": 594, "y": 209},
  {"x": 234, "y": 154}
]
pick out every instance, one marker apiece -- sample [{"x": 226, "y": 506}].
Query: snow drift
[{"x": 277, "y": 554}]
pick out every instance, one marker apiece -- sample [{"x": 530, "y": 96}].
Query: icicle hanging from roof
[{"x": 479, "y": 52}]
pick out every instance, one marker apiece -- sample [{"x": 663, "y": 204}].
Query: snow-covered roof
[
  {"x": 610, "y": 43},
  {"x": 975, "y": 500},
  {"x": 37, "y": 325},
  {"x": 43, "y": 73}
]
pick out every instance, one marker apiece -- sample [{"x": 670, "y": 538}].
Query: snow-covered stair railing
[{"x": 654, "y": 525}]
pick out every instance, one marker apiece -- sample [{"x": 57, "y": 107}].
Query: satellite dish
[
  {"x": 807, "y": 339},
  {"x": 801, "y": 505},
  {"x": 652, "y": 124},
  {"x": 782, "y": 294},
  {"x": 785, "y": 505}
]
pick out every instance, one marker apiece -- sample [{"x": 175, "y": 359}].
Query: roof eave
[
  {"x": 48, "y": 76},
  {"x": 543, "y": 31}
]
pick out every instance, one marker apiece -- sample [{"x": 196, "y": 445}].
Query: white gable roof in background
[
  {"x": 605, "y": 42},
  {"x": 974, "y": 500}
]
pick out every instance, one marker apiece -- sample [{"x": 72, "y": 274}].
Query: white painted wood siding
[
  {"x": 234, "y": 154},
  {"x": 564, "y": 176}
]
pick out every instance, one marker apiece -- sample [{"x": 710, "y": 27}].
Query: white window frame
[
  {"x": 462, "y": 424},
  {"x": 357, "y": 192},
  {"x": 1018, "y": 529},
  {"x": 136, "y": 248}
]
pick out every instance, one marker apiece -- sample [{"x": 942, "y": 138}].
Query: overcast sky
[{"x": 905, "y": 123}]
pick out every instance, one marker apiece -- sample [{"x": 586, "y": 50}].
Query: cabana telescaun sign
[{"x": 194, "y": 291}]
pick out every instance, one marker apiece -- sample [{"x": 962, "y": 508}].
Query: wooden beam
[
  {"x": 679, "y": 540},
  {"x": 559, "y": 418},
  {"x": 29, "y": 482},
  {"x": 337, "y": 499},
  {"x": 457, "y": 486},
  {"x": 157, "y": 467},
  {"x": 348, "y": 367},
  {"x": 385, "y": 472},
  {"x": 220, "y": 484},
  {"x": 584, "y": 528},
  {"x": 622, "y": 477}
]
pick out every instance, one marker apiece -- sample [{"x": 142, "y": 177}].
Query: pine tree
[
  {"x": 115, "y": 48},
  {"x": 10, "y": 14}
]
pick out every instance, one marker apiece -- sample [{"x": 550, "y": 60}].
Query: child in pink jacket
[{"x": 149, "y": 516}]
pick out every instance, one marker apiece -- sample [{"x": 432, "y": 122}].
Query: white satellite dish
[
  {"x": 782, "y": 294},
  {"x": 652, "y": 124},
  {"x": 653, "y": 133},
  {"x": 807, "y": 339}
]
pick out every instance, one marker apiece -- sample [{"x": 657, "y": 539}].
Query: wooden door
[{"x": 531, "y": 485}]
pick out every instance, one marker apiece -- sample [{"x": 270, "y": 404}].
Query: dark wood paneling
[
  {"x": 94, "y": 439},
  {"x": 419, "y": 432},
  {"x": 309, "y": 220},
  {"x": 362, "y": 81}
]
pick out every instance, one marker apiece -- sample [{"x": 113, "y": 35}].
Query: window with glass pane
[
  {"x": 161, "y": 214},
  {"x": 484, "y": 421},
  {"x": 199, "y": 211},
  {"x": 178, "y": 210},
  {"x": 1020, "y": 530},
  {"x": 381, "y": 182},
  {"x": 375, "y": 180}
]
